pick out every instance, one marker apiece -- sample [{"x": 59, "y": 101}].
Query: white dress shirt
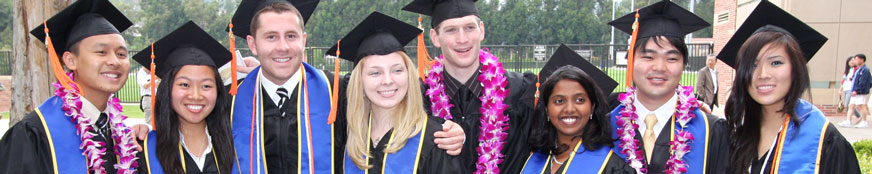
[
  {"x": 714, "y": 74},
  {"x": 199, "y": 160},
  {"x": 664, "y": 114},
  {"x": 272, "y": 87}
]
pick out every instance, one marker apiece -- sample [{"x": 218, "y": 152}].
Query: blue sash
[
  {"x": 63, "y": 140},
  {"x": 248, "y": 131},
  {"x": 150, "y": 151},
  {"x": 591, "y": 161},
  {"x": 398, "y": 162},
  {"x": 699, "y": 127},
  {"x": 803, "y": 142}
]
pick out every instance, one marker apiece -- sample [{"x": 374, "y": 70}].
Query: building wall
[{"x": 842, "y": 21}]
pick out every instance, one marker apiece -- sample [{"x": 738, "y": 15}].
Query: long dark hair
[
  {"x": 167, "y": 121},
  {"x": 744, "y": 114},
  {"x": 597, "y": 132},
  {"x": 848, "y": 65}
]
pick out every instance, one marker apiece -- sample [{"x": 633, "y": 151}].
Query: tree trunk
[{"x": 31, "y": 72}]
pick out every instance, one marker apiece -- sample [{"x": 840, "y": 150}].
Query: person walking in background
[
  {"x": 847, "y": 89},
  {"x": 143, "y": 79},
  {"x": 862, "y": 83},
  {"x": 707, "y": 82}
]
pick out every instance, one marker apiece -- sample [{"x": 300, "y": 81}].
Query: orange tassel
[
  {"x": 56, "y": 65},
  {"x": 423, "y": 57},
  {"x": 334, "y": 104},
  {"x": 233, "y": 85},
  {"x": 153, "y": 87},
  {"x": 536, "y": 100},
  {"x": 632, "y": 50}
]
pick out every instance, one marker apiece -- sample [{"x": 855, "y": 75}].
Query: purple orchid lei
[
  {"x": 494, "y": 122},
  {"x": 679, "y": 146},
  {"x": 94, "y": 150}
]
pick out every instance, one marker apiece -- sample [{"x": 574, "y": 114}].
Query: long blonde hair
[{"x": 408, "y": 118}]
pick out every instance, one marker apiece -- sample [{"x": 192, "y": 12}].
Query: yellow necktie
[{"x": 649, "y": 137}]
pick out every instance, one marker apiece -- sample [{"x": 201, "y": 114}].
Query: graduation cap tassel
[
  {"x": 423, "y": 56},
  {"x": 536, "y": 100},
  {"x": 153, "y": 87},
  {"x": 335, "y": 98},
  {"x": 56, "y": 66},
  {"x": 632, "y": 50},
  {"x": 233, "y": 86}
]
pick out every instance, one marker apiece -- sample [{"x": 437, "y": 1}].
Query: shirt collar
[
  {"x": 90, "y": 110},
  {"x": 663, "y": 114},
  {"x": 271, "y": 87},
  {"x": 472, "y": 84}
]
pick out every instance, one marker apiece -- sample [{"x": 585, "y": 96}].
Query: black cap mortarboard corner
[
  {"x": 566, "y": 56},
  {"x": 768, "y": 17},
  {"x": 378, "y": 34},
  {"x": 187, "y": 45},
  {"x": 247, "y": 8},
  {"x": 663, "y": 18},
  {"x": 80, "y": 20},
  {"x": 441, "y": 10}
]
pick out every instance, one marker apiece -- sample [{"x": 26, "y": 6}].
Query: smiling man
[
  {"x": 72, "y": 132},
  {"x": 659, "y": 108},
  {"x": 470, "y": 87}
]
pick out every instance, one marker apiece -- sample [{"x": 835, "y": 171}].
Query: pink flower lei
[
  {"x": 93, "y": 150},
  {"x": 679, "y": 146},
  {"x": 494, "y": 122}
]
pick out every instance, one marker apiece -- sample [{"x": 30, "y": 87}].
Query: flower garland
[
  {"x": 494, "y": 122},
  {"x": 93, "y": 150},
  {"x": 680, "y": 143}
]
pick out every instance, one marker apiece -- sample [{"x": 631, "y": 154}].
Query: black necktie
[
  {"x": 283, "y": 99},
  {"x": 102, "y": 124}
]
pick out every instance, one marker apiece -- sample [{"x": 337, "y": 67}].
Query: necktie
[
  {"x": 283, "y": 99},
  {"x": 102, "y": 124},
  {"x": 649, "y": 137}
]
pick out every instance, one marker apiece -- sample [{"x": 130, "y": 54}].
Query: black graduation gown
[
  {"x": 615, "y": 165},
  {"x": 837, "y": 155},
  {"x": 25, "y": 147},
  {"x": 718, "y": 147},
  {"x": 280, "y": 133},
  {"x": 208, "y": 167},
  {"x": 520, "y": 108},
  {"x": 432, "y": 158}
]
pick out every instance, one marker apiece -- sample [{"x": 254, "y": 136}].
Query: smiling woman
[{"x": 192, "y": 131}]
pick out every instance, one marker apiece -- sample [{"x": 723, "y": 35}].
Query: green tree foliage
[
  {"x": 6, "y": 24},
  {"x": 507, "y": 22}
]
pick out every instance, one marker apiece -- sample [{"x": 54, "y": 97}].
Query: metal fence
[{"x": 517, "y": 58}]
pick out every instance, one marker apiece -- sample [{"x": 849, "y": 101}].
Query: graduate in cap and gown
[
  {"x": 469, "y": 85},
  {"x": 772, "y": 129},
  {"x": 388, "y": 128},
  {"x": 280, "y": 110},
  {"x": 571, "y": 131},
  {"x": 79, "y": 129},
  {"x": 192, "y": 130},
  {"x": 658, "y": 126}
]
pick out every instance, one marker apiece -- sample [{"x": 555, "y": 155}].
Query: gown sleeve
[
  {"x": 25, "y": 149},
  {"x": 617, "y": 165},
  {"x": 436, "y": 160},
  {"x": 837, "y": 154},
  {"x": 718, "y": 147}
]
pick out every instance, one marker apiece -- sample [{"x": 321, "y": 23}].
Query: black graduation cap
[
  {"x": 441, "y": 10},
  {"x": 768, "y": 17},
  {"x": 663, "y": 18},
  {"x": 247, "y": 8},
  {"x": 566, "y": 56},
  {"x": 378, "y": 34},
  {"x": 187, "y": 45},
  {"x": 82, "y": 19}
]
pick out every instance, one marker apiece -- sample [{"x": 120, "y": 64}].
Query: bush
[
  {"x": 864, "y": 155},
  {"x": 863, "y": 146}
]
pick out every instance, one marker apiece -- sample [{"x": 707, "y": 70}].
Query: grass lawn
[{"x": 131, "y": 110}]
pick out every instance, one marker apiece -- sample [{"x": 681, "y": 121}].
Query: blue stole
[
  {"x": 398, "y": 162},
  {"x": 699, "y": 127},
  {"x": 592, "y": 161},
  {"x": 247, "y": 121},
  {"x": 800, "y": 144},
  {"x": 63, "y": 140},
  {"x": 152, "y": 163}
]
